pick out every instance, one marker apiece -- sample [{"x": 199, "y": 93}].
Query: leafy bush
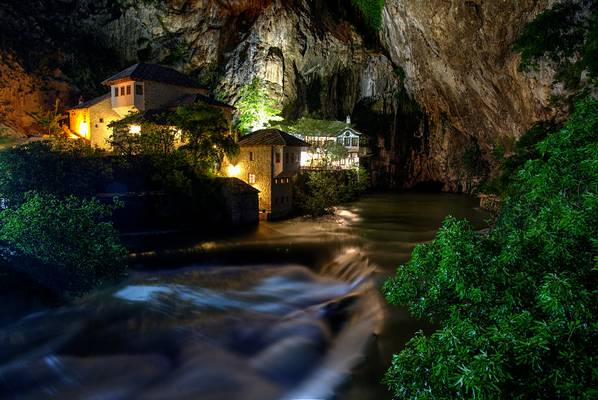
[
  {"x": 317, "y": 192},
  {"x": 59, "y": 166},
  {"x": 523, "y": 150},
  {"x": 256, "y": 109},
  {"x": 71, "y": 236},
  {"x": 517, "y": 306}
]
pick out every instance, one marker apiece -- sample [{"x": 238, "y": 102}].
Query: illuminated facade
[
  {"x": 141, "y": 87},
  {"x": 321, "y": 154},
  {"x": 269, "y": 160}
]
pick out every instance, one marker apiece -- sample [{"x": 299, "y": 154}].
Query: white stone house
[{"x": 317, "y": 156}]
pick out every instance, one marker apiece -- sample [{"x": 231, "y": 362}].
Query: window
[
  {"x": 122, "y": 90},
  {"x": 115, "y": 92},
  {"x": 139, "y": 89},
  {"x": 251, "y": 156},
  {"x": 286, "y": 158},
  {"x": 128, "y": 90},
  {"x": 278, "y": 158},
  {"x": 101, "y": 120},
  {"x": 251, "y": 179},
  {"x": 354, "y": 142},
  {"x": 347, "y": 141}
]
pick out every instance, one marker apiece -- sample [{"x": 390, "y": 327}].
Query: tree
[
  {"x": 49, "y": 120},
  {"x": 205, "y": 135},
  {"x": 256, "y": 109},
  {"x": 196, "y": 132},
  {"x": 72, "y": 237},
  {"x": 516, "y": 307}
]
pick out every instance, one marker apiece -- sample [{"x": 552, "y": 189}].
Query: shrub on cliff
[
  {"x": 371, "y": 10},
  {"x": 70, "y": 237},
  {"x": 517, "y": 306}
]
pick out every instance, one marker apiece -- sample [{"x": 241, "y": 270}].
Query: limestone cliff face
[
  {"x": 458, "y": 63},
  {"x": 456, "y": 57}
]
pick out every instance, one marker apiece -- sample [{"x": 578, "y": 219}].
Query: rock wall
[
  {"x": 464, "y": 94},
  {"x": 458, "y": 63}
]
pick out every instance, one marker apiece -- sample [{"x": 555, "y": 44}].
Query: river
[{"x": 289, "y": 310}]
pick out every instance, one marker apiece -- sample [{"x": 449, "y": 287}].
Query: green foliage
[
  {"x": 256, "y": 109},
  {"x": 205, "y": 135},
  {"x": 523, "y": 150},
  {"x": 565, "y": 34},
  {"x": 197, "y": 133},
  {"x": 58, "y": 166},
  {"x": 49, "y": 120},
  {"x": 71, "y": 236},
  {"x": 516, "y": 307},
  {"x": 317, "y": 192},
  {"x": 371, "y": 10}
]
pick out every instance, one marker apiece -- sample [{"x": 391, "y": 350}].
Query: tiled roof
[
  {"x": 89, "y": 103},
  {"x": 153, "y": 72},
  {"x": 271, "y": 137}
]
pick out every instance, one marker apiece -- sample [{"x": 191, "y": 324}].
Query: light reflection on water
[{"x": 284, "y": 312}]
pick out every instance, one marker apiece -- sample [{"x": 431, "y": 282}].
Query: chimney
[{"x": 348, "y": 120}]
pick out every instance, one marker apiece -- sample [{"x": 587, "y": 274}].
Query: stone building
[
  {"x": 269, "y": 160},
  {"x": 139, "y": 88}
]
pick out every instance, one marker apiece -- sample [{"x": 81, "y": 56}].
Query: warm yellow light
[
  {"x": 233, "y": 170},
  {"x": 83, "y": 128},
  {"x": 135, "y": 129}
]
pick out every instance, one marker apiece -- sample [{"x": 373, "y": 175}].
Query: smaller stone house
[
  {"x": 352, "y": 140},
  {"x": 269, "y": 160}
]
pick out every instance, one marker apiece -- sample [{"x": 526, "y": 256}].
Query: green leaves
[
  {"x": 317, "y": 192},
  {"x": 371, "y": 10},
  {"x": 73, "y": 237},
  {"x": 517, "y": 306},
  {"x": 256, "y": 109}
]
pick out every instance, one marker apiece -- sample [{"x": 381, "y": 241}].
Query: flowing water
[{"x": 289, "y": 311}]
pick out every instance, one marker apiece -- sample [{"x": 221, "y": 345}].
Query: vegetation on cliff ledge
[
  {"x": 516, "y": 306},
  {"x": 566, "y": 34},
  {"x": 371, "y": 10}
]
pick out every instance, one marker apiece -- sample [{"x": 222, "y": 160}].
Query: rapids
[{"x": 290, "y": 311}]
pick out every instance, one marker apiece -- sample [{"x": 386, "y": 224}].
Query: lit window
[
  {"x": 277, "y": 158},
  {"x": 139, "y": 89},
  {"x": 115, "y": 92},
  {"x": 251, "y": 179},
  {"x": 251, "y": 156},
  {"x": 122, "y": 91},
  {"x": 128, "y": 90}
]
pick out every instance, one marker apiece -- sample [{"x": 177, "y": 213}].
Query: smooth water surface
[{"x": 291, "y": 310}]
